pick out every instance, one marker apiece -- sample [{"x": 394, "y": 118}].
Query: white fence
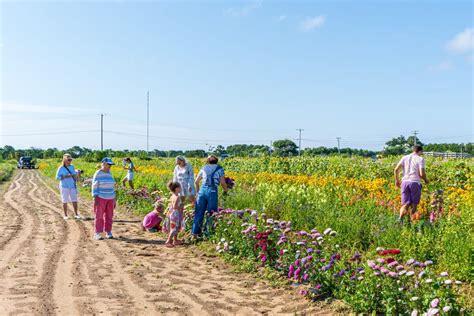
[{"x": 447, "y": 154}]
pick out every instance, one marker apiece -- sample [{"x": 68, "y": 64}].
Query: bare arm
[
  {"x": 223, "y": 184},
  {"x": 197, "y": 182},
  {"x": 423, "y": 175},
  {"x": 396, "y": 173}
]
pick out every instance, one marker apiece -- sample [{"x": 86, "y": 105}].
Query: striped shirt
[{"x": 103, "y": 185}]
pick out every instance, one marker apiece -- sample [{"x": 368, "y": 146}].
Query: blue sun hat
[{"x": 108, "y": 161}]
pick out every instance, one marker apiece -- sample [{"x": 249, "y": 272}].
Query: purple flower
[
  {"x": 399, "y": 268},
  {"x": 297, "y": 272},
  {"x": 409, "y": 262},
  {"x": 428, "y": 262},
  {"x": 263, "y": 258},
  {"x": 306, "y": 277},
  {"x": 291, "y": 271},
  {"x": 376, "y": 273},
  {"x": 380, "y": 260},
  {"x": 309, "y": 250},
  {"x": 392, "y": 274},
  {"x": 297, "y": 262},
  {"x": 392, "y": 264}
]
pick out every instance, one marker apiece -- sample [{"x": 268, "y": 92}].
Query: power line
[
  {"x": 299, "y": 140},
  {"x": 50, "y": 133},
  {"x": 147, "y": 119}
]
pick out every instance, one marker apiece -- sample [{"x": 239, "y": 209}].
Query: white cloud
[
  {"x": 312, "y": 23},
  {"x": 445, "y": 65},
  {"x": 280, "y": 18},
  {"x": 462, "y": 42},
  {"x": 243, "y": 10}
]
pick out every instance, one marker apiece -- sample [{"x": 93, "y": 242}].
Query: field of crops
[
  {"x": 6, "y": 170},
  {"x": 330, "y": 225}
]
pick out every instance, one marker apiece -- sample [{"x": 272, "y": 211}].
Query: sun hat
[
  {"x": 181, "y": 158},
  {"x": 108, "y": 161}
]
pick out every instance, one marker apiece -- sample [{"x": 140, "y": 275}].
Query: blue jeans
[{"x": 206, "y": 201}]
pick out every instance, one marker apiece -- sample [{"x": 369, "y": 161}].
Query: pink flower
[
  {"x": 291, "y": 271},
  {"x": 371, "y": 264},
  {"x": 306, "y": 277},
  {"x": 297, "y": 272},
  {"x": 263, "y": 258},
  {"x": 434, "y": 303}
]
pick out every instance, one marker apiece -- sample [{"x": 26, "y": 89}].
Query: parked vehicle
[{"x": 26, "y": 163}]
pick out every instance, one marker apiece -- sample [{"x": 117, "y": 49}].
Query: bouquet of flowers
[{"x": 230, "y": 182}]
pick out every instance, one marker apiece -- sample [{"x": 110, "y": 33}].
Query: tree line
[{"x": 280, "y": 148}]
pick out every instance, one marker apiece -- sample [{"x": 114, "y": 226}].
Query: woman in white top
[{"x": 184, "y": 175}]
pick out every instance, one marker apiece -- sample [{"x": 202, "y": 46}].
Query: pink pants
[{"x": 104, "y": 213}]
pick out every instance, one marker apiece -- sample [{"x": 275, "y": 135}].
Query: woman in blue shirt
[
  {"x": 212, "y": 175},
  {"x": 67, "y": 177}
]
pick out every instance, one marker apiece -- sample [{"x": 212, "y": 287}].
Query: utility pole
[
  {"x": 299, "y": 141},
  {"x": 338, "y": 144},
  {"x": 415, "y": 133},
  {"x": 271, "y": 147},
  {"x": 147, "y": 119},
  {"x": 102, "y": 131}
]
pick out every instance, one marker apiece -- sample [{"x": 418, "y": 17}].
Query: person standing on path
[
  {"x": 413, "y": 166},
  {"x": 130, "y": 172},
  {"x": 103, "y": 191},
  {"x": 212, "y": 175},
  {"x": 67, "y": 177},
  {"x": 184, "y": 175}
]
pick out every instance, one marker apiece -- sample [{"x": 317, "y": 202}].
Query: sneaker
[
  {"x": 78, "y": 216},
  {"x": 98, "y": 236},
  {"x": 66, "y": 217},
  {"x": 109, "y": 235}
]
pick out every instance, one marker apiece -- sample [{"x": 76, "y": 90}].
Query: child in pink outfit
[{"x": 152, "y": 221}]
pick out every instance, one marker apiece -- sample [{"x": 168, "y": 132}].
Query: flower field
[
  {"x": 6, "y": 170},
  {"x": 330, "y": 226}
]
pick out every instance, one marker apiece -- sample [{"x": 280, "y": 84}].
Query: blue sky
[{"x": 231, "y": 72}]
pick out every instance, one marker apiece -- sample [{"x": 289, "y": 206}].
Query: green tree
[{"x": 285, "y": 148}]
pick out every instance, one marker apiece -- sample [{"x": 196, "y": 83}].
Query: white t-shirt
[{"x": 411, "y": 167}]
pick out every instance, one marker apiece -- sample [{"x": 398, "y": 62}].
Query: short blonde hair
[{"x": 66, "y": 157}]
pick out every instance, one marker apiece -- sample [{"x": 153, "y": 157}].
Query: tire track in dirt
[
  {"x": 10, "y": 219},
  {"x": 22, "y": 267},
  {"x": 97, "y": 258},
  {"x": 136, "y": 274}
]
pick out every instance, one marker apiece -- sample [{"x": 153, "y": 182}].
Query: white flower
[
  {"x": 333, "y": 233},
  {"x": 379, "y": 249},
  {"x": 446, "y": 309},
  {"x": 327, "y": 231},
  {"x": 360, "y": 278},
  {"x": 444, "y": 274},
  {"x": 414, "y": 298},
  {"x": 402, "y": 272},
  {"x": 231, "y": 247},
  {"x": 448, "y": 282},
  {"x": 319, "y": 238},
  {"x": 433, "y": 311},
  {"x": 429, "y": 280},
  {"x": 458, "y": 282},
  {"x": 414, "y": 313},
  {"x": 400, "y": 289},
  {"x": 422, "y": 274},
  {"x": 410, "y": 273},
  {"x": 362, "y": 271},
  {"x": 223, "y": 240},
  {"x": 218, "y": 247}
]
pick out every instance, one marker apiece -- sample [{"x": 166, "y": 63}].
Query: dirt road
[{"x": 52, "y": 266}]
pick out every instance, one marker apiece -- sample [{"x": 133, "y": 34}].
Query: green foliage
[{"x": 285, "y": 148}]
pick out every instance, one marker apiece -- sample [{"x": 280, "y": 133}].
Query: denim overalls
[{"x": 206, "y": 200}]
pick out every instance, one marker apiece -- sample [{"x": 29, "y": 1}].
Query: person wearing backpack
[
  {"x": 212, "y": 175},
  {"x": 67, "y": 177}
]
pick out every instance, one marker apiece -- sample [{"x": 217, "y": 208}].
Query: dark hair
[
  {"x": 173, "y": 186},
  {"x": 212, "y": 160},
  {"x": 128, "y": 159},
  {"x": 417, "y": 148}
]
